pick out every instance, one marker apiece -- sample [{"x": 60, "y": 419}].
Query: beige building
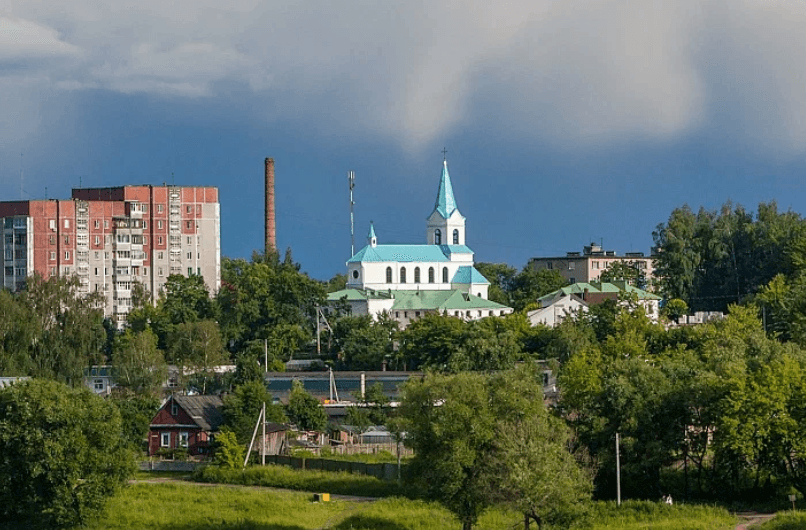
[
  {"x": 588, "y": 265},
  {"x": 112, "y": 238}
]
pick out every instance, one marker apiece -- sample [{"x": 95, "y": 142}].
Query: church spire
[
  {"x": 371, "y": 239},
  {"x": 446, "y": 203}
]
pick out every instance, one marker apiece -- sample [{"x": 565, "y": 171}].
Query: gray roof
[{"x": 205, "y": 410}]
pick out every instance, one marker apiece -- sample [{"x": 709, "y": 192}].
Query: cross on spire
[{"x": 444, "y": 154}]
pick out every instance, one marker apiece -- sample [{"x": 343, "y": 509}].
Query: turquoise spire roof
[
  {"x": 446, "y": 203},
  {"x": 371, "y": 234}
]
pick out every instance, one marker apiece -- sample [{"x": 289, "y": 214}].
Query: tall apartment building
[
  {"x": 112, "y": 237},
  {"x": 589, "y": 265}
]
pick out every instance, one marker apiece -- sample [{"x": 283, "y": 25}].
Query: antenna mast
[{"x": 351, "y": 179}]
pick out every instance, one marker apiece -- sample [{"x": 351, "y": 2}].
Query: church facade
[{"x": 409, "y": 281}]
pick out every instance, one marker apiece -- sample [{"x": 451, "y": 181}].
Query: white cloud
[{"x": 563, "y": 72}]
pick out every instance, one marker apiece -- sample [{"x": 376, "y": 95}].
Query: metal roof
[{"x": 204, "y": 410}]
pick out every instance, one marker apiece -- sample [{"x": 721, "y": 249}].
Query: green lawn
[
  {"x": 785, "y": 521},
  {"x": 186, "y": 506}
]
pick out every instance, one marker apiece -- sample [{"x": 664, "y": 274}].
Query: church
[{"x": 409, "y": 281}]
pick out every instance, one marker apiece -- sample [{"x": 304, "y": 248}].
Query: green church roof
[
  {"x": 468, "y": 274},
  {"x": 408, "y": 253},
  {"x": 412, "y": 300}
]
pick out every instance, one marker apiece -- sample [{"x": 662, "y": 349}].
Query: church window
[
  {"x": 416, "y": 274},
  {"x": 437, "y": 237},
  {"x": 456, "y": 237},
  {"x": 430, "y": 274},
  {"x": 355, "y": 274},
  {"x": 444, "y": 274},
  {"x": 402, "y": 274},
  {"x": 388, "y": 274}
]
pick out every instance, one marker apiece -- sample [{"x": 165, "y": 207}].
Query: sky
[{"x": 565, "y": 122}]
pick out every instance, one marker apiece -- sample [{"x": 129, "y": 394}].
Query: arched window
[
  {"x": 402, "y": 274},
  {"x": 416, "y": 274},
  {"x": 456, "y": 236},
  {"x": 430, "y": 274},
  {"x": 444, "y": 274},
  {"x": 437, "y": 237},
  {"x": 388, "y": 274}
]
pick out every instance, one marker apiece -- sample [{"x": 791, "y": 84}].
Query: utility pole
[
  {"x": 618, "y": 475},
  {"x": 351, "y": 180}
]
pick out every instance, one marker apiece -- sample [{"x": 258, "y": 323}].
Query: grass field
[
  {"x": 785, "y": 521},
  {"x": 187, "y": 506}
]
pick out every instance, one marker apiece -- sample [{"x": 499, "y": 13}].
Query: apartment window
[
  {"x": 159, "y": 225},
  {"x": 402, "y": 274},
  {"x": 160, "y": 255},
  {"x": 145, "y": 224},
  {"x": 189, "y": 208},
  {"x": 10, "y": 255},
  {"x": 66, "y": 240},
  {"x": 106, "y": 223},
  {"x": 160, "y": 271},
  {"x": 571, "y": 265},
  {"x": 190, "y": 240},
  {"x": 97, "y": 255},
  {"x": 143, "y": 207},
  {"x": 388, "y": 274},
  {"x": 99, "y": 384},
  {"x": 53, "y": 271},
  {"x": 52, "y": 256},
  {"x": 594, "y": 265},
  {"x": 159, "y": 240},
  {"x": 549, "y": 265},
  {"x": 145, "y": 271},
  {"x": 96, "y": 271},
  {"x": 67, "y": 223},
  {"x": 106, "y": 255},
  {"x": 106, "y": 271},
  {"x": 97, "y": 224},
  {"x": 145, "y": 240},
  {"x": 165, "y": 439},
  {"x": 52, "y": 240},
  {"x": 159, "y": 208},
  {"x": 52, "y": 224},
  {"x": 145, "y": 256},
  {"x": 190, "y": 255},
  {"x": 190, "y": 271},
  {"x": 416, "y": 313},
  {"x": 198, "y": 271},
  {"x": 97, "y": 241},
  {"x": 198, "y": 209},
  {"x": 66, "y": 254},
  {"x": 107, "y": 240},
  {"x": 66, "y": 271},
  {"x": 190, "y": 224}
]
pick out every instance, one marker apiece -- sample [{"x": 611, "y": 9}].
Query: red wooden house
[{"x": 185, "y": 421}]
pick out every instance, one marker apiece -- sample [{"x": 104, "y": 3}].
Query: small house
[{"x": 186, "y": 422}]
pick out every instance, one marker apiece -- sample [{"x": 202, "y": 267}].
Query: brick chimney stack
[{"x": 271, "y": 227}]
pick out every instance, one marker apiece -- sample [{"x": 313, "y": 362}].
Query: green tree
[
  {"x": 64, "y": 454},
  {"x": 363, "y": 341},
  {"x": 431, "y": 341},
  {"x": 197, "y": 346},
  {"x": 502, "y": 278},
  {"x": 242, "y": 407},
  {"x": 674, "y": 309},
  {"x": 136, "y": 412},
  {"x": 229, "y": 454},
  {"x": 304, "y": 410},
  {"x": 455, "y": 424},
  {"x": 624, "y": 271},
  {"x": 530, "y": 284},
  {"x": 137, "y": 364},
  {"x": 69, "y": 325}
]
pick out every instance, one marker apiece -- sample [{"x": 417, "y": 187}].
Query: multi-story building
[
  {"x": 589, "y": 265},
  {"x": 111, "y": 238}
]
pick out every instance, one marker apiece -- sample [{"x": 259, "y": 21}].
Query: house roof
[
  {"x": 446, "y": 203},
  {"x": 204, "y": 410},
  {"x": 597, "y": 287},
  {"x": 468, "y": 274}
]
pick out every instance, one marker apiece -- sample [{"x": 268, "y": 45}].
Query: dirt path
[
  {"x": 163, "y": 480},
  {"x": 751, "y": 519}
]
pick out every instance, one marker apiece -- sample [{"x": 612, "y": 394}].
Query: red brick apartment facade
[{"x": 112, "y": 237}]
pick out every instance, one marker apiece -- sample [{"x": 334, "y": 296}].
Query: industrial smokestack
[{"x": 271, "y": 227}]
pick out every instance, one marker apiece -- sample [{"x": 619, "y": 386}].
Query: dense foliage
[{"x": 64, "y": 453}]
